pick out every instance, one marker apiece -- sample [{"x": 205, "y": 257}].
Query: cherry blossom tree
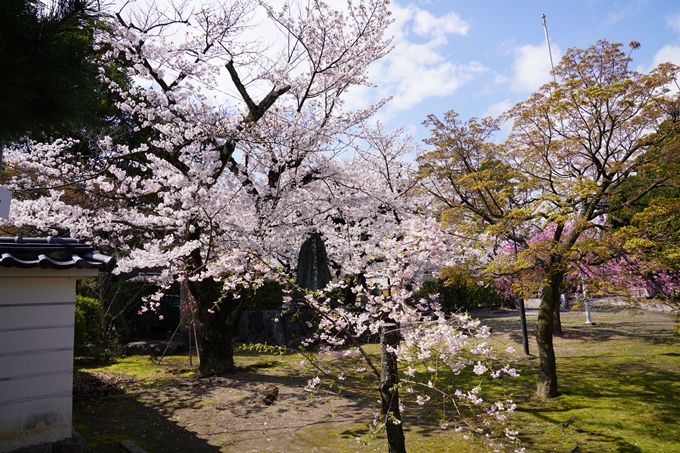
[
  {"x": 416, "y": 336},
  {"x": 219, "y": 195},
  {"x": 363, "y": 201}
]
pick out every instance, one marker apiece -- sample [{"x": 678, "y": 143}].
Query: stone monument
[{"x": 313, "y": 272}]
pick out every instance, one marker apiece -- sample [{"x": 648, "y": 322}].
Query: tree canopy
[
  {"x": 48, "y": 77},
  {"x": 550, "y": 186},
  {"x": 222, "y": 196}
]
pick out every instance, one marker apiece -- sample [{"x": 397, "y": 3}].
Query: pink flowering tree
[
  {"x": 246, "y": 137},
  {"x": 635, "y": 279},
  {"x": 421, "y": 348}
]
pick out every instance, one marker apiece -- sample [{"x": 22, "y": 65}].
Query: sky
[{"x": 480, "y": 57}]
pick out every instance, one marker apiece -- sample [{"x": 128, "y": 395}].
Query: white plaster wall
[{"x": 36, "y": 355}]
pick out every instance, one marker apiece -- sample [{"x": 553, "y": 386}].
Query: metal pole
[
  {"x": 585, "y": 299},
  {"x": 198, "y": 351},
  {"x": 522, "y": 312},
  {"x": 523, "y": 321},
  {"x": 547, "y": 40},
  {"x": 588, "y": 320}
]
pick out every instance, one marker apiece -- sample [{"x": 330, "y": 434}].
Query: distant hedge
[{"x": 461, "y": 292}]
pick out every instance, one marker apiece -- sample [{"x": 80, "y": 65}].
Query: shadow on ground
[
  {"x": 107, "y": 420},
  {"x": 216, "y": 414}
]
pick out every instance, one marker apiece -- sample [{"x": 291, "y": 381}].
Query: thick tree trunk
[
  {"x": 215, "y": 343},
  {"x": 215, "y": 336},
  {"x": 389, "y": 395},
  {"x": 546, "y": 386},
  {"x": 557, "y": 320}
]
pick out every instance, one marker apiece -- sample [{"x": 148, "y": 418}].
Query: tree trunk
[
  {"x": 546, "y": 386},
  {"x": 557, "y": 320},
  {"x": 217, "y": 328},
  {"x": 215, "y": 340},
  {"x": 121, "y": 321},
  {"x": 389, "y": 395}
]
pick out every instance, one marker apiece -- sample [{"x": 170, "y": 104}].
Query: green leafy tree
[
  {"x": 648, "y": 226},
  {"x": 550, "y": 186},
  {"x": 48, "y": 77}
]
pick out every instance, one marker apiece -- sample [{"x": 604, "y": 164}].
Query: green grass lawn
[{"x": 619, "y": 382}]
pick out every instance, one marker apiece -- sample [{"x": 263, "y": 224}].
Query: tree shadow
[
  {"x": 644, "y": 330},
  {"x": 107, "y": 421},
  {"x": 639, "y": 366},
  {"x": 210, "y": 414}
]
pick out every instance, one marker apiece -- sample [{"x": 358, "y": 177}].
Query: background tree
[
  {"x": 49, "y": 78},
  {"x": 647, "y": 227},
  {"x": 573, "y": 144}
]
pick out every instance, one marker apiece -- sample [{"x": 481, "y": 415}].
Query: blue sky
[{"x": 481, "y": 57}]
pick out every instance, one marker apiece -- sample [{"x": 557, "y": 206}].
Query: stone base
[{"x": 74, "y": 444}]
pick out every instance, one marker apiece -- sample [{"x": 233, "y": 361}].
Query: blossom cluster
[{"x": 434, "y": 348}]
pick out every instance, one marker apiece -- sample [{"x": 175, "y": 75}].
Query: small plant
[{"x": 262, "y": 348}]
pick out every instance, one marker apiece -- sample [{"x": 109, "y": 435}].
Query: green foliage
[
  {"x": 88, "y": 328},
  {"x": 460, "y": 292},
  {"x": 262, "y": 348},
  {"x": 121, "y": 302},
  {"x": 657, "y": 176},
  {"x": 48, "y": 76},
  {"x": 269, "y": 296}
]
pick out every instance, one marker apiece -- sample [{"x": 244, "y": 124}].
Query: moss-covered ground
[{"x": 619, "y": 382}]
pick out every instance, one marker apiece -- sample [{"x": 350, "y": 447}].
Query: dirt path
[
  {"x": 251, "y": 412},
  {"x": 245, "y": 412}
]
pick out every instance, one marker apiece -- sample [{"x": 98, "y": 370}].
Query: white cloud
[
  {"x": 673, "y": 21},
  {"x": 414, "y": 71},
  {"x": 498, "y": 108},
  {"x": 670, "y": 53},
  {"x": 425, "y": 24},
  {"x": 531, "y": 68}
]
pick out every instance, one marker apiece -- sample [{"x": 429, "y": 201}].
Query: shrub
[
  {"x": 267, "y": 297},
  {"x": 88, "y": 328}
]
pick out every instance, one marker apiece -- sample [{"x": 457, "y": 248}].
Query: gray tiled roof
[{"x": 52, "y": 253}]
